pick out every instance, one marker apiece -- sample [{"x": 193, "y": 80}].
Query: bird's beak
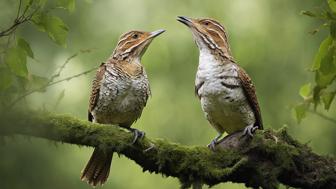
[
  {"x": 185, "y": 20},
  {"x": 156, "y": 33}
]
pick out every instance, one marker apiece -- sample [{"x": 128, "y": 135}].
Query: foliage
[
  {"x": 15, "y": 78},
  {"x": 323, "y": 90}
]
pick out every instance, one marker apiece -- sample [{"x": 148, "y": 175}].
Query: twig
[
  {"x": 51, "y": 82},
  {"x": 66, "y": 62},
  {"x": 25, "y": 11},
  {"x": 19, "y": 9},
  {"x": 48, "y": 85},
  {"x": 61, "y": 68},
  {"x": 12, "y": 28},
  {"x": 20, "y": 19},
  {"x": 323, "y": 116},
  {"x": 69, "y": 78}
]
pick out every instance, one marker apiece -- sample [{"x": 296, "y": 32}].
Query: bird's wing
[
  {"x": 96, "y": 84},
  {"x": 251, "y": 96},
  {"x": 148, "y": 93}
]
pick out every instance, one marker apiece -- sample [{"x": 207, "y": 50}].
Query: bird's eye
[
  {"x": 135, "y": 36},
  {"x": 206, "y": 23}
]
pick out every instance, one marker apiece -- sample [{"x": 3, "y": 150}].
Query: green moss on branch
[{"x": 270, "y": 158}]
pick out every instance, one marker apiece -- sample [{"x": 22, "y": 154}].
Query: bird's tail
[{"x": 97, "y": 169}]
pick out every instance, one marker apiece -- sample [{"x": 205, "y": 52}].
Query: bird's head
[
  {"x": 133, "y": 44},
  {"x": 208, "y": 34}
]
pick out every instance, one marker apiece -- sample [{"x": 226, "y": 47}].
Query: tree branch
[
  {"x": 13, "y": 27},
  {"x": 20, "y": 19},
  {"x": 323, "y": 116},
  {"x": 51, "y": 81},
  {"x": 12, "y": 104},
  {"x": 270, "y": 158}
]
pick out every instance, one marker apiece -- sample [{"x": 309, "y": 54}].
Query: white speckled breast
[
  {"x": 121, "y": 98},
  {"x": 222, "y": 97}
]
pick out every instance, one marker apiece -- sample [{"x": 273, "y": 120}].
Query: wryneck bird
[
  {"x": 227, "y": 94},
  {"x": 120, "y": 91}
]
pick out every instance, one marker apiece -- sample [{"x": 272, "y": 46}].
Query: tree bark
[{"x": 267, "y": 159}]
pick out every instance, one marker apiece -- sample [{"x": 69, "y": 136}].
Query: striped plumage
[
  {"x": 227, "y": 94},
  {"x": 119, "y": 93},
  {"x": 122, "y": 95}
]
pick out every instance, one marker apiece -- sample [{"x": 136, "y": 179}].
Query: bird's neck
[
  {"x": 133, "y": 68},
  {"x": 130, "y": 58},
  {"x": 212, "y": 57}
]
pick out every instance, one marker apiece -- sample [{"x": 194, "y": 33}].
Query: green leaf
[
  {"x": 333, "y": 29},
  {"x": 323, "y": 80},
  {"x": 316, "y": 96},
  {"x": 323, "y": 50},
  {"x": 300, "y": 111},
  {"x": 305, "y": 90},
  {"x": 36, "y": 82},
  {"x": 67, "y": 4},
  {"x": 39, "y": 3},
  {"x": 327, "y": 99},
  {"x": 16, "y": 59},
  {"x": 5, "y": 79},
  {"x": 39, "y": 21},
  {"x": 24, "y": 45},
  {"x": 28, "y": 2},
  {"x": 332, "y": 5},
  {"x": 327, "y": 63},
  {"x": 53, "y": 25}
]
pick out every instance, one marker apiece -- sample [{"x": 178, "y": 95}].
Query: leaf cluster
[
  {"x": 323, "y": 90},
  {"x": 15, "y": 78}
]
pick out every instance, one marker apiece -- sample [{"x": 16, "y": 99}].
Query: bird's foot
[
  {"x": 137, "y": 134},
  {"x": 213, "y": 143},
  {"x": 249, "y": 130}
]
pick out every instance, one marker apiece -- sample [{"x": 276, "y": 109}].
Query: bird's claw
[
  {"x": 212, "y": 144},
  {"x": 137, "y": 135},
  {"x": 249, "y": 130}
]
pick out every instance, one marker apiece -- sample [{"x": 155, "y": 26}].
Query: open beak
[
  {"x": 185, "y": 20},
  {"x": 156, "y": 33}
]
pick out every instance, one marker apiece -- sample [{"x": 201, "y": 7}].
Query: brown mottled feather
[
  {"x": 95, "y": 89},
  {"x": 132, "y": 70},
  {"x": 251, "y": 96}
]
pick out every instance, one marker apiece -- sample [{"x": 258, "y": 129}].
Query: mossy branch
[{"x": 270, "y": 158}]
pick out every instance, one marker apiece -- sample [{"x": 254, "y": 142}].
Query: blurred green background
[{"x": 270, "y": 39}]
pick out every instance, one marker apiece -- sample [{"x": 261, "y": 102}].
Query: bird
[
  {"x": 227, "y": 93},
  {"x": 120, "y": 91}
]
